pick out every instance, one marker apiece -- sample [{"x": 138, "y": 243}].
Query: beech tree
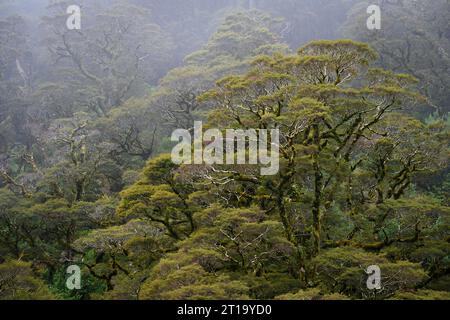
[
  {"x": 18, "y": 281},
  {"x": 332, "y": 110},
  {"x": 161, "y": 198}
]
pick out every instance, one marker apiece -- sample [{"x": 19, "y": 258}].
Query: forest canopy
[{"x": 87, "y": 179}]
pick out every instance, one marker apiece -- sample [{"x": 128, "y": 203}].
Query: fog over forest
[{"x": 97, "y": 97}]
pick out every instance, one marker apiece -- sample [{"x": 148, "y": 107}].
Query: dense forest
[{"x": 87, "y": 179}]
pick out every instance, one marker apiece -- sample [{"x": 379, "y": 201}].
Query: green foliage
[
  {"x": 192, "y": 282},
  {"x": 271, "y": 285},
  {"x": 311, "y": 294},
  {"x": 422, "y": 295},
  {"x": 412, "y": 40},
  {"x": 240, "y": 37},
  {"x": 342, "y": 270},
  {"x": 18, "y": 281},
  {"x": 161, "y": 198}
]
